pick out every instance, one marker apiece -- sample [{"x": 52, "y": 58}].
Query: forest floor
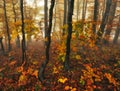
[{"x": 91, "y": 69}]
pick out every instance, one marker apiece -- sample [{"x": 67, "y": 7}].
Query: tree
[
  {"x": 1, "y": 43},
  {"x": 23, "y": 32},
  {"x": 7, "y": 26},
  {"x": 69, "y": 22},
  {"x": 15, "y": 17},
  {"x": 47, "y": 43},
  {"x": 110, "y": 21},
  {"x": 65, "y": 16},
  {"x": 117, "y": 32},
  {"x": 84, "y": 8},
  {"x": 78, "y": 7},
  {"x": 54, "y": 27},
  {"x": 46, "y": 15},
  {"x": 96, "y": 10},
  {"x": 104, "y": 21}
]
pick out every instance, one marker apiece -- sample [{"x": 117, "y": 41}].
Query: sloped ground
[{"x": 91, "y": 69}]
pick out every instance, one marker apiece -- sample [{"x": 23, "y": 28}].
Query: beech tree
[
  {"x": 7, "y": 26},
  {"x": 78, "y": 9},
  {"x": 69, "y": 22},
  {"x": 104, "y": 21},
  {"x": 1, "y": 44},
  {"x": 84, "y": 8},
  {"x": 23, "y": 32},
  {"x": 65, "y": 16},
  {"x": 46, "y": 15},
  {"x": 117, "y": 32},
  {"x": 47, "y": 43},
  {"x": 110, "y": 22},
  {"x": 95, "y": 17}
]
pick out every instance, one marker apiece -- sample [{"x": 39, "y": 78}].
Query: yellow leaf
[
  {"x": 55, "y": 70},
  {"x": 78, "y": 57},
  {"x": 22, "y": 80},
  {"x": 35, "y": 62},
  {"x": 62, "y": 80},
  {"x": 30, "y": 70}
]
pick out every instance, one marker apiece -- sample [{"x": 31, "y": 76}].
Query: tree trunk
[
  {"x": 46, "y": 15},
  {"x": 47, "y": 43},
  {"x": 110, "y": 21},
  {"x": 15, "y": 16},
  {"x": 78, "y": 7},
  {"x": 65, "y": 16},
  {"x": 104, "y": 21},
  {"x": 54, "y": 27},
  {"x": 70, "y": 13},
  {"x": 117, "y": 32},
  {"x": 2, "y": 47},
  {"x": 23, "y": 33},
  {"x": 7, "y": 26},
  {"x": 96, "y": 10},
  {"x": 84, "y": 12}
]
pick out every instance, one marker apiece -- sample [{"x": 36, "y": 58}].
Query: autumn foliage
[
  {"x": 91, "y": 69},
  {"x": 93, "y": 65}
]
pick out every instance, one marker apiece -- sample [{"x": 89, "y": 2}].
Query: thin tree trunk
[
  {"x": 104, "y": 21},
  {"x": 78, "y": 7},
  {"x": 15, "y": 16},
  {"x": 23, "y": 33},
  {"x": 117, "y": 32},
  {"x": 7, "y": 26},
  {"x": 110, "y": 21},
  {"x": 84, "y": 12},
  {"x": 54, "y": 27},
  {"x": 2, "y": 47},
  {"x": 47, "y": 44},
  {"x": 65, "y": 16},
  {"x": 25, "y": 9},
  {"x": 70, "y": 13},
  {"x": 46, "y": 15},
  {"x": 96, "y": 10}
]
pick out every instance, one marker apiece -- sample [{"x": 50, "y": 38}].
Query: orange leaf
[
  {"x": 12, "y": 63},
  {"x": 67, "y": 87},
  {"x": 73, "y": 89},
  {"x": 35, "y": 73}
]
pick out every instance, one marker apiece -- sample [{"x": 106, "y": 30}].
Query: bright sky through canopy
[{"x": 39, "y": 2}]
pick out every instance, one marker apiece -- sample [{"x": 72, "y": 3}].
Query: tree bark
[
  {"x": 96, "y": 10},
  {"x": 70, "y": 13},
  {"x": 23, "y": 33},
  {"x": 65, "y": 16},
  {"x": 84, "y": 12},
  {"x": 45, "y": 15},
  {"x": 110, "y": 21},
  {"x": 47, "y": 43},
  {"x": 54, "y": 27},
  {"x": 7, "y": 26},
  {"x": 78, "y": 7},
  {"x": 104, "y": 21},
  {"x": 117, "y": 32},
  {"x": 2, "y": 47}
]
